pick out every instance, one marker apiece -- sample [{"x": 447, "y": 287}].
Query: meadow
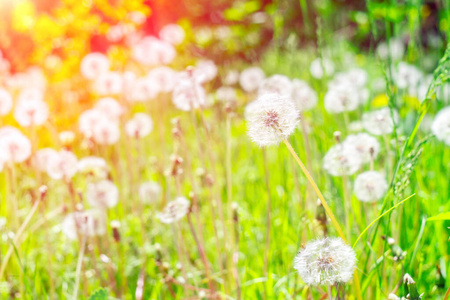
[{"x": 150, "y": 168}]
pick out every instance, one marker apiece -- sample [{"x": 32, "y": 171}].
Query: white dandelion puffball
[
  {"x": 143, "y": 89},
  {"x": 441, "y": 125},
  {"x": 231, "y": 77},
  {"x": 188, "y": 95},
  {"x": 150, "y": 51},
  {"x": 149, "y": 192},
  {"x": 172, "y": 33},
  {"x": 226, "y": 94},
  {"x": 86, "y": 223},
  {"x": 338, "y": 100},
  {"x": 357, "y": 76},
  {"x": 116, "y": 32},
  {"x": 163, "y": 78},
  {"x": 6, "y": 102},
  {"x": 103, "y": 194},
  {"x": 16, "y": 146},
  {"x": 139, "y": 126},
  {"x": 42, "y": 157},
  {"x": 205, "y": 70},
  {"x": 31, "y": 113},
  {"x": 370, "y": 186},
  {"x": 174, "y": 210},
  {"x": 366, "y": 145},
  {"x": 109, "y": 83},
  {"x": 110, "y": 107},
  {"x": 316, "y": 67},
  {"x": 62, "y": 166},
  {"x": 251, "y": 78},
  {"x": 273, "y": 118},
  {"x": 106, "y": 132},
  {"x": 379, "y": 122},
  {"x": 325, "y": 261},
  {"x": 342, "y": 159},
  {"x": 304, "y": 97},
  {"x": 88, "y": 120},
  {"x": 395, "y": 49},
  {"x": 277, "y": 84},
  {"x": 407, "y": 76},
  {"x": 94, "y": 64},
  {"x": 93, "y": 165}
]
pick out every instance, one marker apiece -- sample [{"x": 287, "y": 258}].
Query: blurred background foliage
[{"x": 55, "y": 31}]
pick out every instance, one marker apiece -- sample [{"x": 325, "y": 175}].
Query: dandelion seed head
[
  {"x": 163, "y": 77},
  {"x": 370, "y": 186},
  {"x": 174, "y": 210},
  {"x": 88, "y": 120},
  {"x": 139, "y": 126},
  {"x": 395, "y": 49},
  {"x": 251, "y": 78},
  {"x": 93, "y": 165},
  {"x": 204, "y": 71},
  {"x": 276, "y": 84},
  {"x": 143, "y": 89},
  {"x": 172, "y": 33},
  {"x": 342, "y": 159},
  {"x": 31, "y": 113},
  {"x": 63, "y": 165},
  {"x": 304, "y": 97},
  {"x": 94, "y": 64},
  {"x": 316, "y": 68},
  {"x": 86, "y": 223},
  {"x": 379, "y": 122},
  {"x": 325, "y": 261},
  {"x": 42, "y": 158},
  {"x": 106, "y": 132},
  {"x": 340, "y": 99},
  {"x": 231, "y": 77},
  {"x": 102, "y": 194},
  {"x": 272, "y": 119},
  {"x": 149, "y": 192},
  {"x": 441, "y": 125},
  {"x": 407, "y": 76},
  {"x": 16, "y": 146},
  {"x": 150, "y": 51},
  {"x": 110, "y": 107},
  {"x": 188, "y": 95},
  {"x": 109, "y": 83},
  {"x": 367, "y": 146}
]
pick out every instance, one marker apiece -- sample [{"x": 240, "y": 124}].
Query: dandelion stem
[
  {"x": 201, "y": 251},
  {"x": 330, "y": 294},
  {"x": 316, "y": 189},
  {"x": 79, "y": 265},
  {"x": 268, "y": 218}
]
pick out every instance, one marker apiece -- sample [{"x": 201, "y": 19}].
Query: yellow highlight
[
  {"x": 23, "y": 16},
  {"x": 380, "y": 101},
  {"x": 412, "y": 102}
]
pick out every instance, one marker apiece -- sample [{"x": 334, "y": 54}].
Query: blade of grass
[{"x": 379, "y": 217}]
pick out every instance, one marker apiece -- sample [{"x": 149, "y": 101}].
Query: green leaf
[
  {"x": 440, "y": 217},
  {"x": 99, "y": 294}
]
